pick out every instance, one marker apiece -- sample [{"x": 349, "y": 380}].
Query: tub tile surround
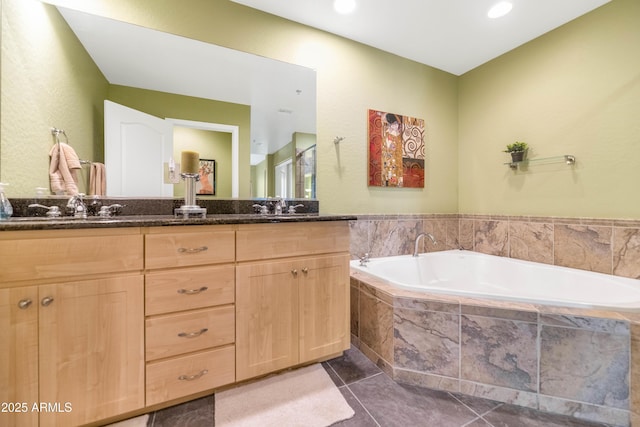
[
  {"x": 565, "y": 364},
  {"x": 577, "y": 362},
  {"x": 605, "y": 246}
]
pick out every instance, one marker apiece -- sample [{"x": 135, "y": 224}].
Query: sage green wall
[
  {"x": 166, "y": 105},
  {"x": 351, "y": 78},
  {"x": 259, "y": 179},
  {"x": 210, "y": 145},
  {"x": 285, "y": 153},
  {"x": 48, "y": 81},
  {"x": 575, "y": 90}
]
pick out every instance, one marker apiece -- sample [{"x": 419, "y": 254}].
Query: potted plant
[{"x": 517, "y": 151}]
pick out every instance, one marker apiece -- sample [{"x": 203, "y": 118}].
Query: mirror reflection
[{"x": 59, "y": 66}]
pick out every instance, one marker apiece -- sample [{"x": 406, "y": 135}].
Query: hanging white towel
[
  {"x": 98, "y": 180},
  {"x": 63, "y": 169}
]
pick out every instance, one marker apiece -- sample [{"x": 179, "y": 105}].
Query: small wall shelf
[{"x": 568, "y": 159}]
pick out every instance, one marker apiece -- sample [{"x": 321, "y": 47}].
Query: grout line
[
  {"x": 337, "y": 375},
  {"x": 362, "y": 404},
  {"x": 479, "y": 416}
]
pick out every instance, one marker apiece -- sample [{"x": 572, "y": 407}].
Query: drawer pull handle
[
  {"x": 192, "y": 291},
  {"x": 294, "y": 272},
  {"x": 192, "y": 334},
  {"x": 192, "y": 377},
  {"x": 23, "y": 304},
  {"x": 192, "y": 250},
  {"x": 305, "y": 270},
  {"x": 46, "y": 301}
]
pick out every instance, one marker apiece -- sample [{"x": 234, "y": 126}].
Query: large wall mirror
[{"x": 60, "y": 65}]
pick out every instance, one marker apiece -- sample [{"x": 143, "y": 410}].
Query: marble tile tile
[
  {"x": 531, "y": 241},
  {"x": 354, "y": 303},
  {"x": 499, "y": 352},
  {"x": 377, "y": 360},
  {"x": 610, "y": 326},
  {"x": 377, "y": 291},
  {"x": 376, "y": 325},
  {"x": 426, "y": 380},
  {"x": 634, "y": 405},
  {"x": 393, "y": 404},
  {"x": 584, "y": 411},
  {"x": 359, "y": 238},
  {"x": 393, "y": 237},
  {"x": 514, "y": 416},
  {"x": 466, "y": 234},
  {"x": 626, "y": 252},
  {"x": 353, "y": 366},
  {"x": 491, "y": 237},
  {"x": 477, "y": 405},
  {"x": 499, "y": 394},
  {"x": 585, "y": 366},
  {"x": 438, "y": 229},
  {"x": 500, "y": 313},
  {"x": 478, "y": 422},
  {"x": 426, "y": 341},
  {"x": 583, "y": 247},
  {"x": 423, "y": 304},
  {"x": 195, "y": 413}
]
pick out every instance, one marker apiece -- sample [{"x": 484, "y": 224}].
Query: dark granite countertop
[{"x": 69, "y": 223}]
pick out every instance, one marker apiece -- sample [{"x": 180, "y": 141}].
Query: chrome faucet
[
  {"x": 429, "y": 235},
  {"x": 76, "y": 206},
  {"x": 292, "y": 208},
  {"x": 364, "y": 259},
  {"x": 52, "y": 211}
]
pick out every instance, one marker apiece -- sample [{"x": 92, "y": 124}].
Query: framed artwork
[
  {"x": 207, "y": 183},
  {"x": 396, "y": 150}
]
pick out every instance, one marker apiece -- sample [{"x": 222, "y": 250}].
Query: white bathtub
[{"x": 473, "y": 274}]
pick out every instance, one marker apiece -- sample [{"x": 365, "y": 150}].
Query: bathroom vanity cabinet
[
  {"x": 100, "y": 323},
  {"x": 72, "y": 339},
  {"x": 292, "y": 295},
  {"x": 190, "y": 312}
]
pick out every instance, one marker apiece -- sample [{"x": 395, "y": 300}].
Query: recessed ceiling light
[
  {"x": 344, "y": 6},
  {"x": 499, "y": 9}
]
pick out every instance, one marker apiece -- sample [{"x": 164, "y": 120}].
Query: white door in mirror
[{"x": 137, "y": 145}]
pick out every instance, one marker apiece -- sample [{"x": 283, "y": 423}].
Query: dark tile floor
[{"x": 379, "y": 401}]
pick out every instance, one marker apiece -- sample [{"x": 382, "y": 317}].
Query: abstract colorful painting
[{"x": 396, "y": 150}]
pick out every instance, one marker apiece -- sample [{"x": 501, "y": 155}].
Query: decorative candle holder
[{"x": 190, "y": 208}]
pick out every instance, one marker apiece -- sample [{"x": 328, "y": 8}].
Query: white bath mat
[{"x": 303, "y": 397}]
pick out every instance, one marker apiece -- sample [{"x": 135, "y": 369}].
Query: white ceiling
[{"x": 452, "y": 35}]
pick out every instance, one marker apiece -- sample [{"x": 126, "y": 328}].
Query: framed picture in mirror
[{"x": 207, "y": 182}]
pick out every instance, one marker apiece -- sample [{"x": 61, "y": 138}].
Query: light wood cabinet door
[
  {"x": 91, "y": 336},
  {"x": 324, "y": 307},
  {"x": 289, "y": 312},
  {"x": 266, "y": 318},
  {"x": 18, "y": 356}
]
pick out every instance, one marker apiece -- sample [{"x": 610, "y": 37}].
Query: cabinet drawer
[
  {"x": 182, "y": 376},
  {"x": 188, "y": 289},
  {"x": 264, "y": 241},
  {"x": 179, "y": 333},
  {"x": 65, "y": 254},
  {"x": 180, "y": 249}
]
